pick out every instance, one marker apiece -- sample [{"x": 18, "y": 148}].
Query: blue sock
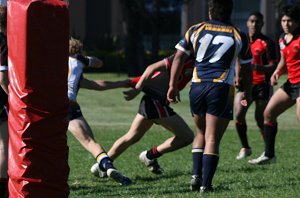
[
  {"x": 104, "y": 162},
  {"x": 210, "y": 163},
  {"x": 197, "y": 155}
]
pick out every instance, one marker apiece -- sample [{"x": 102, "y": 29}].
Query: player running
[
  {"x": 154, "y": 109},
  {"x": 215, "y": 45},
  {"x": 78, "y": 126}
]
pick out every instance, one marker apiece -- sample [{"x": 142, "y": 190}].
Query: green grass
[{"x": 110, "y": 117}]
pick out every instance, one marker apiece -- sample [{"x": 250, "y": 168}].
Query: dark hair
[
  {"x": 220, "y": 9},
  {"x": 291, "y": 11},
  {"x": 3, "y": 16},
  {"x": 257, "y": 14}
]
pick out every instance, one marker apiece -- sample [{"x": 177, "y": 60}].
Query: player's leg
[
  {"x": 81, "y": 130},
  {"x": 261, "y": 95},
  {"x": 183, "y": 135},
  {"x": 139, "y": 127},
  {"x": 241, "y": 125},
  {"x": 197, "y": 152},
  {"x": 278, "y": 103},
  {"x": 3, "y": 158},
  {"x": 215, "y": 128},
  {"x": 83, "y": 133},
  {"x": 260, "y": 106},
  {"x": 298, "y": 108},
  {"x": 219, "y": 101}
]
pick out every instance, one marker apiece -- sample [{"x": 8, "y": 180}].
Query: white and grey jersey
[{"x": 74, "y": 77}]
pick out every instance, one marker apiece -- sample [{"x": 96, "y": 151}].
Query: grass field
[{"x": 110, "y": 117}]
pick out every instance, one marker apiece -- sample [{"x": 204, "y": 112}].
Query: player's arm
[
  {"x": 245, "y": 73},
  {"x": 281, "y": 68},
  {"x": 94, "y": 62},
  {"x": 4, "y": 80},
  {"x": 237, "y": 77},
  {"x": 272, "y": 59},
  {"x": 101, "y": 85},
  {"x": 173, "y": 92},
  {"x": 148, "y": 73}
]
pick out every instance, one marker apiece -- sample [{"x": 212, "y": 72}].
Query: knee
[
  {"x": 187, "y": 138},
  {"x": 190, "y": 138},
  {"x": 268, "y": 115}
]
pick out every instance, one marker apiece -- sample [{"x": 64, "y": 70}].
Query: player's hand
[
  {"x": 131, "y": 94},
  {"x": 274, "y": 78},
  {"x": 127, "y": 83},
  {"x": 246, "y": 99},
  {"x": 237, "y": 82},
  {"x": 173, "y": 95}
]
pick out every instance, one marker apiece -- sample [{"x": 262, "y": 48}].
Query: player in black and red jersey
[
  {"x": 154, "y": 109},
  {"x": 3, "y": 105},
  {"x": 263, "y": 64},
  {"x": 289, "y": 93}
]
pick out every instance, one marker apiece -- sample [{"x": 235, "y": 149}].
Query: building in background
[{"x": 98, "y": 23}]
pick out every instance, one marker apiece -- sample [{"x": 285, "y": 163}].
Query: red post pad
[{"x": 38, "y": 34}]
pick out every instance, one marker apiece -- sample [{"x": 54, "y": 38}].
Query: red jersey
[
  {"x": 158, "y": 86},
  {"x": 263, "y": 52},
  {"x": 291, "y": 52}
]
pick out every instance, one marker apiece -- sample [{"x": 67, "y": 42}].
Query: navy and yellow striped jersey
[{"x": 215, "y": 45}]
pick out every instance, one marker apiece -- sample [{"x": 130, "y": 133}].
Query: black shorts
[
  {"x": 262, "y": 91},
  {"x": 212, "y": 98},
  {"x": 3, "y": 114},
  {"x": 74, "y": 111},
  {"x": 293, "y": 90},
  {"x": 259, "y": 92},
  {"x": 153, "y": 109}
]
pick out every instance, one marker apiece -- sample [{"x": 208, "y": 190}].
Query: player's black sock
[
  {"x": 153, "y": 153},
  {"x": 270, "y": 135},
  {"x": 210, "y": 163},
  {"x": 197, "y": 155},
  {"x": 4, "y": 187},
  {"x": 104, "y": 162},
  {"x": 241, "y": 128}
]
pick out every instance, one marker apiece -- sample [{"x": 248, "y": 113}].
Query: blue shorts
[
  {"x": 212, "y": 98},
  {"x": 74, "y": 111}
]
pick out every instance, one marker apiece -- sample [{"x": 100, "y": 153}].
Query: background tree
[{"x": 133, "y": 15}]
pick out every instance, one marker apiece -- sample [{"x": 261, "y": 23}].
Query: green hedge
[{"x": 115, "y": 61}]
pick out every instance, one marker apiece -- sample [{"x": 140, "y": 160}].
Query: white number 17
[{"x": 226, "y": 41}]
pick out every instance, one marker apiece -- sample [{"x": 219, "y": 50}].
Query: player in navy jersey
[
  {"x": 263, "y": 64},
  {"x": 3, "y": 105},
  {"x": 78, "y": 126},
  {"x": 154, "y": 109},
  {"x": 215, "y": 45},
  {"x": 289, "y": 94}
]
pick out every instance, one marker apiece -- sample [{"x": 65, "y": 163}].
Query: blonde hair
[{"x": 75, "y": 46}]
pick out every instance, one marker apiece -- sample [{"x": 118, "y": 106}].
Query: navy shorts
[
  {"x": 293, "y": 90},
  {"x": 212, "y": 98},
  {"x": 262, "y": 91},
  {"x": 74, "y": 111},
  {"x": 3, "y": 114},
  {"x": 151, "y": 108}
]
